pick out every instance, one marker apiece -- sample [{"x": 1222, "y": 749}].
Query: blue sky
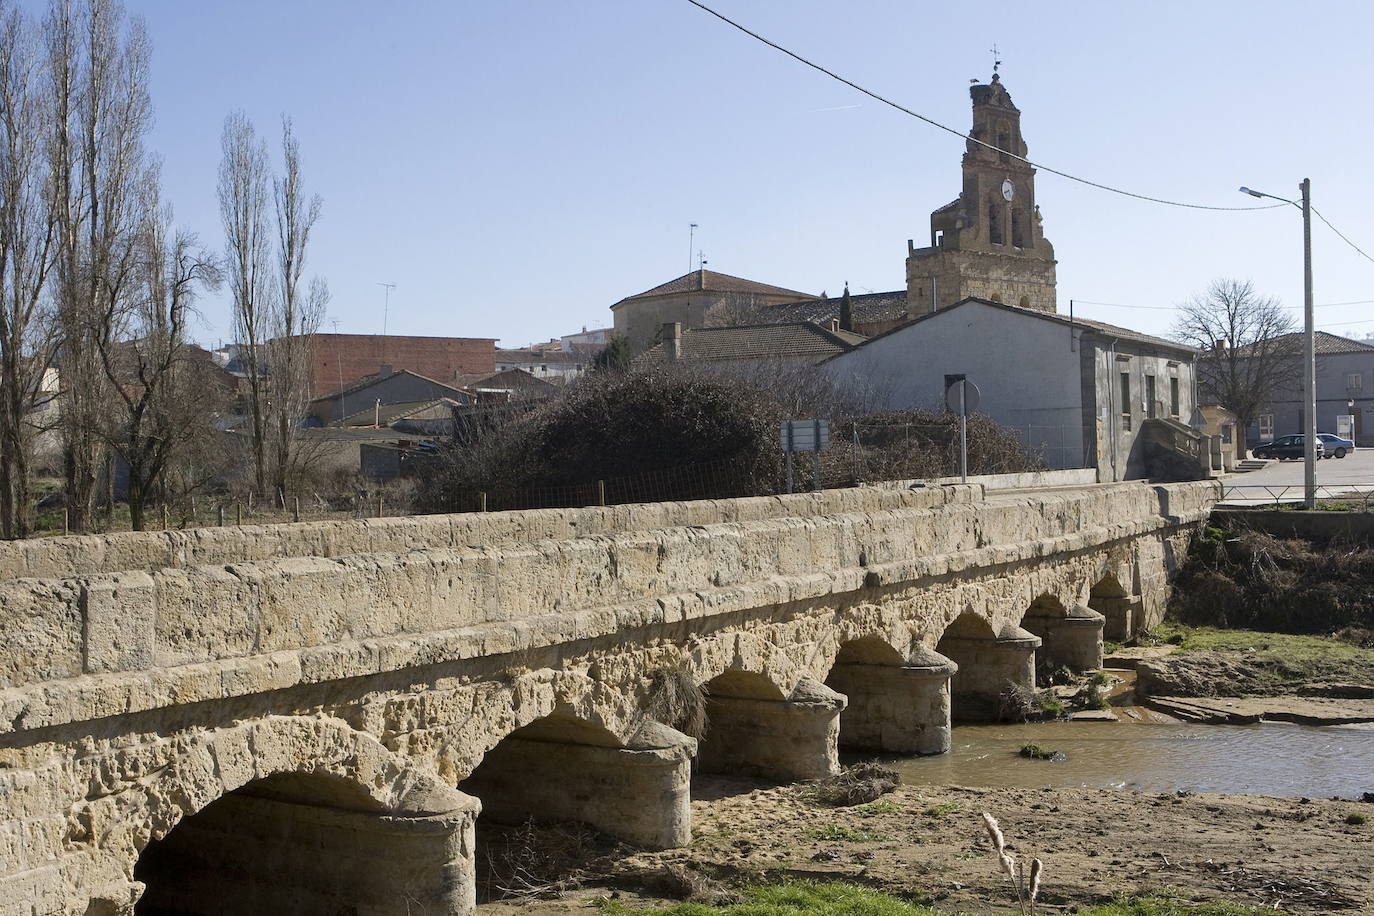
[{"x": 516, "y": 167}]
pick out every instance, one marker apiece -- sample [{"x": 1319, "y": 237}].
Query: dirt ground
[{"x": 928, "y": 842}]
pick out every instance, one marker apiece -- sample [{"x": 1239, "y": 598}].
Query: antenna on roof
[
  {"x": 691, "y": 243},
  {"x": 386, "y": 304}
]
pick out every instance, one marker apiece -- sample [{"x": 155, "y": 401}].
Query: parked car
[
  {"x": 1336, "y": 447},
  {"x": 1285, "y": 448}
]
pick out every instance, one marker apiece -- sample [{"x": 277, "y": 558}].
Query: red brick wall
[{"x": 351, "y": 356}]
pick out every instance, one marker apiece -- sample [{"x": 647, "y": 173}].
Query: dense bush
[
  {"x": 674, "y": 433},
  {"x": 1249, "y": 579}
]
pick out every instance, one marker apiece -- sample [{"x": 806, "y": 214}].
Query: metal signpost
[
  {"x": 961, "y": 396},
  {"x": 804, "y": 436}
]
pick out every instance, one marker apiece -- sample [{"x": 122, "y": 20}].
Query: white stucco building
[{"x": 1077, "y": 392}]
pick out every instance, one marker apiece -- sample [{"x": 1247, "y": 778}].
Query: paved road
[{"x": 1354, "y": 472}]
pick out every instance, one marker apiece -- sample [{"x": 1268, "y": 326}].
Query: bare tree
[
  {"x": 160, "y": 403},
  {"x": 26, "y": 248},
  {"x": 296, "y": 313},
  {"x": 244, "y": 188},
  {"x": 735, "y": 310},
  {"x": 98, "y": 80},
  {"x": 1249, "y": 349}
]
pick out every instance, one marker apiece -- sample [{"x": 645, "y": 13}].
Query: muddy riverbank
[{"x": 1306, "y": 855}]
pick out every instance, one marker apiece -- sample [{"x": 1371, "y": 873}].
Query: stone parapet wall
[
  {"x": 88, "y": 555},
  {"x": 55, "y": 629}
]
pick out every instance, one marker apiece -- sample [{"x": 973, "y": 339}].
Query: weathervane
[{"x": 996, "y": 61}]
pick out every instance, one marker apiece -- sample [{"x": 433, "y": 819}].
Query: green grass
[
  {"x": 941, "y": 809},
  {"x": 803, "y": 898},
  {"x": 834, "y": 833},
  {"x": 879, "y": 807},
  {"x": 1288, "y": 646}
]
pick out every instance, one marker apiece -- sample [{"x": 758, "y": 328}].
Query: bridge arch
[
  {"x": 563, "y": 767},
  {"x": 298, "y": 814},
  {"x": 898, "y": 702},
  {"x": 1113, "y": 601},
  {"x": 990, "y": 663}
]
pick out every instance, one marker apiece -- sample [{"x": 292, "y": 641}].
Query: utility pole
[
  {"x": 1309, "y": 368},
  {"x": 1309, "y": 470}
]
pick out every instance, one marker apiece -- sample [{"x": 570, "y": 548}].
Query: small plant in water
[
  {"x": 1025, "y": 882},
  {"x": 1036, "y": 752}
]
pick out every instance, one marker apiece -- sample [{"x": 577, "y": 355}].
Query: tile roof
[
  {"x": 757, "y": 341},
  {"x": 711, "y": 281},
  {"x": 867, "y": 307},
  {"x": 1099, "y": 327},
  {"x": 1328, "y": 344},
  {"x": 367, "y": 381},
  {"x": 386, "y": 414}
]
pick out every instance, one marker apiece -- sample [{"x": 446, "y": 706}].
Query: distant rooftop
[{"x": 709, "y": 280}]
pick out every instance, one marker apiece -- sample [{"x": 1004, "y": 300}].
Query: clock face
[{"x": 1008, "y": 189}]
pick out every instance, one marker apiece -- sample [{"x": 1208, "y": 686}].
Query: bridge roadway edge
[{"x": 436, "y": 702}]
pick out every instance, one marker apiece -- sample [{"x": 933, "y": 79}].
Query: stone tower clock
[{"x": 987, "y": 243}]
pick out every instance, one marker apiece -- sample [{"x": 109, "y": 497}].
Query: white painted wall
[{"x": 1025, "y": 367}]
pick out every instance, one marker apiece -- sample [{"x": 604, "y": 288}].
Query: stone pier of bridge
[{"x": 326, "y": 716}]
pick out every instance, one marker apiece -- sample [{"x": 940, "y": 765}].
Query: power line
[
  {"x": 886, "y": 101},
  {"x": 1174, "y": 308},
  {"x": 1338, "y": 232}
]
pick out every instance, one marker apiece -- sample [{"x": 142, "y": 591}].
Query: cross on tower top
[{"x": 996, "y": 61}]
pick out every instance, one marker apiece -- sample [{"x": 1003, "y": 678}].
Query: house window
[
  {"x": 1354, "y": 381},
  {"x": 1150, "y": 396},
  {"x": 1126, "y": 400},
  {"x": 1266, "y": 426},
  {"x": 1173, "y": 397}
]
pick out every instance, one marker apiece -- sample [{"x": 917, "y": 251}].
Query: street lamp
[{"x": 1309, "y": 447}]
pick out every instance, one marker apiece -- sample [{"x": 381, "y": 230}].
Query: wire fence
[
  {"x": 857, "y": 454},
  {"x": 1350, "y": 497}
]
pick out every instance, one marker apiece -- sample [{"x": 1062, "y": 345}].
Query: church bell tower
[{"x": 988, "y": 243}]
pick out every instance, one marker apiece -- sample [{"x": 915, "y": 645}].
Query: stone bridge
[{"x": 321, "y": 718}]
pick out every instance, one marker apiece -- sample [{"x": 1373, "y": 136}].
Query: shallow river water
[{"x": 1267, "y": 759}]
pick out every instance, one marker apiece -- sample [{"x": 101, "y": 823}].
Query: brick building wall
[{"x": 341, "y": 358}]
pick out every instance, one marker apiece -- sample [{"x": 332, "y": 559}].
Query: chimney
[
  {"x": 386, "y": 371},
  {"x": 672, "y": 341}
]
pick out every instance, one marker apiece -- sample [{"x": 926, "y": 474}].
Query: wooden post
[
  {"x": 164, "y": 516},
  {"x": 379, "y": 505},
  {"x": 66, "y": 520},
  {"x": 296, "y": 513},
  {"x": 250, "y": 502},
  {"x": 482, "y": 501},
  {"x": 193, "y": 510},
  {"x": 601, "y": 492},
  {"x": 238, "y": 513},
  {"x": 219, "y": 515}
]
